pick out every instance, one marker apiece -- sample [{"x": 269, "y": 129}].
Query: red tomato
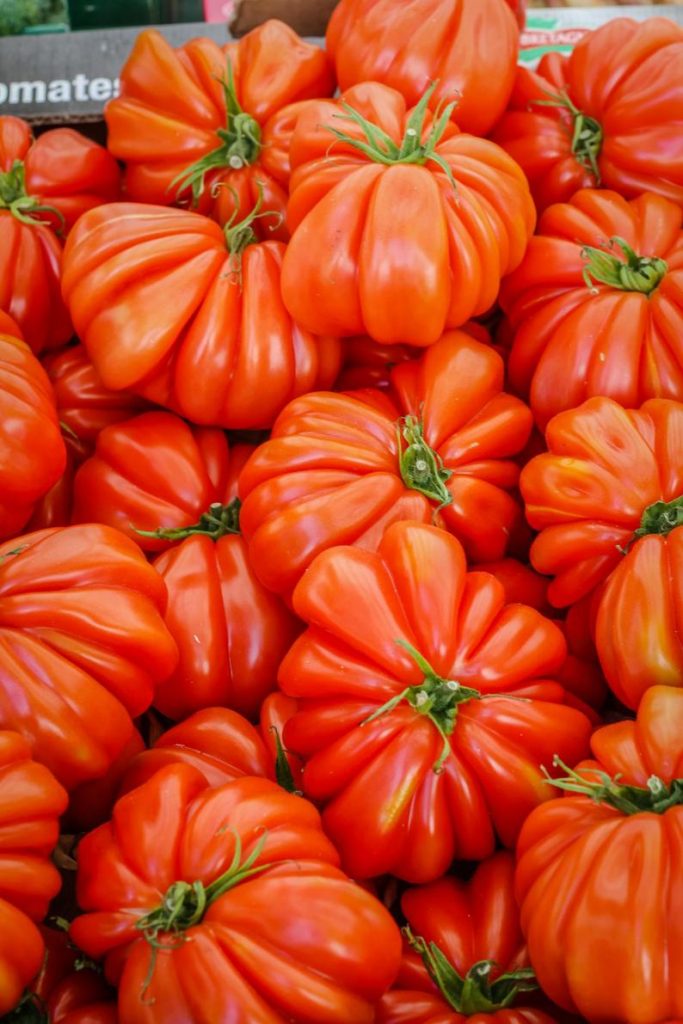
[
  {"x": 90, "y": 803},
  {"x": 610, "y": 114},
  {"x": 82, "y": 645},
  {"x": 402, "y": 238},
  {"x": 21, "y": 954},
  {"x": 260, "y": 911},
  {"x": 55, "y": 507},
  {"x": 409, "y": 718},
  {"x": 337, "y": 470},
  {"x": 597, "y": 305},
  {"x": 209, "y": 125},
  {"x": 32, "y": 452},
  {"x": 64, "y": 992},
  {"x": 599, "y": 876},
  {"x": 469, "y": 46},
  {"x": 174, "y": 309},
  {"x": 607, "y": 499},
  {"x": 464, "y": 958}
]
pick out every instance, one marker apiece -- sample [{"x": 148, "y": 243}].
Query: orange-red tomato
[
  {"x": 469, "y": 46},
  {"x": 339, "y": 468},
  {"x": 409, "y": 720},
  {"x": 209, "y": 125},
  {"x": 608, "y": 499},
  {"x": 240, "y": 888},
  {"x": 404, "y": 237},
  {"x": 610, "y": 114},
  {"x": 599, "y": 873},
  {"x": 66, "y": 992},
  {"x": 596, "y": 307},
  {"x": 32, "y": 452},
  {"x": 174, "y": 309},
  {"x": 82, "y": 645}
]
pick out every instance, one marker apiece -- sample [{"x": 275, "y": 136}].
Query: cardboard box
[{"x": 308, "y": 17}]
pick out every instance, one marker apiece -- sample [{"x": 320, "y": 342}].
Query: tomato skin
[
  {"x": 172, "y": 104},
  {"x": 572, "y": 342},
  {"x": 32, "y": 452},
  {"x": 302, "y": 917},
  {"x": 164, "y": 310},
  {"x": 81, "y": 627},
  {"x": 469, "y": 46},
  {"x": 386, "y": 808},
  {"x": 590, "y": 880},
  {"x": 90, "y": 803},
  {"x": 21, "y": 954},
  {"x": 360, "y": 261},
  {"x": 330, "y": 473},
  {"x": 625, "y": 75},
  {"x": 231, "y": 632},
  {"x": 65, "y": 993}
]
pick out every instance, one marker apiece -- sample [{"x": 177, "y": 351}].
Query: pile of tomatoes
[{"x": 341, "y": 532}]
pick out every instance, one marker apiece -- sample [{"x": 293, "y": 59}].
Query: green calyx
[
  {"x": 421, "y": 468},
  {"x": 382, "y": 149},
  {"x": 656, "y": 797},
  {"x": 240, "y": 145},
  {"x": 283, "y": 772},
  {"x": 627, "y": 271},
  {"x": 661, "y": 517},
  {"x": 586, "y": 132},
  {"x": 13, "y": 197},
  {"x": 218, "y": 521},
  {"x": 475, "y": 993},
  {"x": 436, "y": 698}
]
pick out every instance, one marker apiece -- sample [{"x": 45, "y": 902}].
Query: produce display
[{"x": 341, "y": 532}]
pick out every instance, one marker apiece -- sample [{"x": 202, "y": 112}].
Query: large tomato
[
  {"x": 469, "y": 46},
  {"x": 209, "y": 125},
  {"x": 235, "y": 888},
  {"x": 599, "y": 873},
  {"x": 82, "y": 644},
  {"x": 174, "y": 309},
  {"x": 408, "y": 683},
  {"x": 610, "y": 114},
  {"x": 596, "y": 308},
  {"x": 404, "y": 236},
  {"x": 607, "y": 497},
  {"x": 31, "y": 801},
  {"x": 464, "y": 958},
  {"x": 339, "y": 468},
  {"x": 32, "y": 452}
]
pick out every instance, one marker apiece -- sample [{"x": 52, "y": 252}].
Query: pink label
[{"x": 218, "y": 10}]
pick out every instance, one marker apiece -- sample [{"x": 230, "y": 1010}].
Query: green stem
[
  {"x": 586, "y": 132},
  {"x": 627, "y": 272},
  {"x": 215, "y": 523},
  {"x": 240, "y": 145},
  {"x": 657, "y": 797},
  {"x": 12, "y": 553},
  {"x": 283, "y": 772},
  {"x": 13, "y": 197},
  {"x": 475, "y": 993},
  {"x": 421, "y": 468},
  {"x": 661, "y": 517}
]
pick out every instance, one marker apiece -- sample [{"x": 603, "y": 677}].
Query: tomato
[
  {"x": 279, "y": 934},
  {"x": 173, "y": 309},
  {"x": 208, "y": 124},
  {"x": 597, "y": 305},
  {"x": 338, "y": 469},
  {"x": 404, "y": 237},
  {"x": 21, "y": 954},
  {"x": 607, "y": 499},
  {"x": 464, "y": 956},
  {"x": 90, "y": 803},
  {"x": 154, "y": 471},
  {"x": 408, "y": 682},
  {"x": 55, "y": 507},
  {"x": 32, "y": 452},
  {"x": 469, "y": 46},
  {"x": 608, "y": 115},
  {"x": 65, "y": 992},
  {"x": 599, "y": 877},
  {"x": 82, "y": 645}
]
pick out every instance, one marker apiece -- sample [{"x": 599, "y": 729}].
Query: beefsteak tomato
[
  {"x": 209, "y": 125},
  {"x": 339, "y": 468},
  {"x": 32, "y": 452},
  {"x": 608, "y": 115},
  {"x": 174, "y": 309},
  {"x": 236, "y": 888},
  {"x": 469, "y": 46},
  {"x": 82, "y": 645},
  {"x": 608, "y": 499},
  {"x": 596, "y": 308},
  {"x": 409, "y": 718},
  {"x": 402, "y": 236},
  {"x": 599, "y": 873}
]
